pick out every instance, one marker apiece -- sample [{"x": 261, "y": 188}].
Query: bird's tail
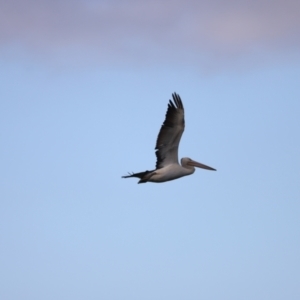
[{"x": 143, "y": 176}]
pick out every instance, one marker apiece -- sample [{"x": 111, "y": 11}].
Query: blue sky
[{"x": 83, "y": 92}]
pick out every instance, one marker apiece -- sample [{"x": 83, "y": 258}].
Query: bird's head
[{"x": 188, "y": 163}]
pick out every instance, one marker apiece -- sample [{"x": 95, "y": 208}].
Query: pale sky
[{"x": 84, "y": 87}]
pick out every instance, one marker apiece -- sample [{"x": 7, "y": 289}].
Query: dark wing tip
[
  {"x": 129, "y": 175},
  {"x": 175, "y": 107},
  {"x": 177, "y": 101}
]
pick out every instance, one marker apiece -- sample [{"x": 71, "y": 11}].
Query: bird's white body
[
  {"x": 170, "y": 172},
  {"x": 167, "y": 166}
]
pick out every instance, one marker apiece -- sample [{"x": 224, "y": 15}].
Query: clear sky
[{"x": 84, "y": 87}]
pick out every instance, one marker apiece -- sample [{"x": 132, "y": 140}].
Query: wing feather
[{"x": 170, "y": 133}]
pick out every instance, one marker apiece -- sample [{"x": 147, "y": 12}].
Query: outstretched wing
[{"x": 170, "y": 134}]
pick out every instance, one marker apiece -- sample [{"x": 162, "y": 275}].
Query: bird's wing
[{"x": 170, "y": 134}]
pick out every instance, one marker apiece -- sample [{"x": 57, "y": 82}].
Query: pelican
[{"x": 167, "y": 166}]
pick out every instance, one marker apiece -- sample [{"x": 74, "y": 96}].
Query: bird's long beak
[{"x": 199, "y": 165}]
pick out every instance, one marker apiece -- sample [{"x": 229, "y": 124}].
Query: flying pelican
[{"x": 167, "y": 166}]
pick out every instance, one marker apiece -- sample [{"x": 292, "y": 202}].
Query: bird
[{"x": 167, "y": 143}]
